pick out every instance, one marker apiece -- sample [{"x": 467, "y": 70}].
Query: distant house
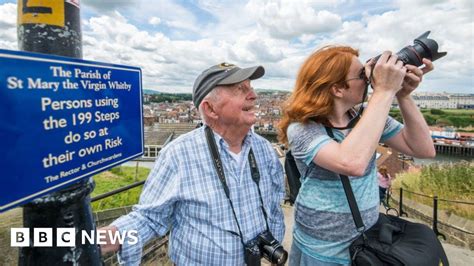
[
  {"x": 386, "y": 157},
  {"x": 444, "y": 100},
  {"x": 148, "y": 116}
]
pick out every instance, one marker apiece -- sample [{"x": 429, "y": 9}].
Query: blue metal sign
[{"x": 63, "y": 119}]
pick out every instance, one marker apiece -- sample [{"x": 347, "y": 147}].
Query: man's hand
[
  {"x": 413, "y": 78},
  {"x": 109, "y": 247}
]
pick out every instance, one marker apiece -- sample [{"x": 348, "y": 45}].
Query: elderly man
[{"x": 208, "y": 186}]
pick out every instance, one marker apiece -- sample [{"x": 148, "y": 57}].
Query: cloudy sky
[{"x": 174, "y": 40}]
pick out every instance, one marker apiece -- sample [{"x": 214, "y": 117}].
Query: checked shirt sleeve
[
  {"x": 276, "y": 219},
  {"x": 151, "y": 217}
]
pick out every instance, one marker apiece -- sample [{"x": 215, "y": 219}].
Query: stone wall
[
  {"x": 458, "y": 231},
  {"x": 10, "y": 219}
]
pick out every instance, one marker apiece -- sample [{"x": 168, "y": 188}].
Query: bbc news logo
[{"x": 66, "y": 237}]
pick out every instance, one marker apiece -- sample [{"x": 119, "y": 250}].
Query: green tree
[
  {"x": 430, "y": 119},
  {"x": 437, "y": 112},
  {"x": 443, "y": 122},
  {"x": 396, "y": 115},
  {"x": 460, "y": 121}
]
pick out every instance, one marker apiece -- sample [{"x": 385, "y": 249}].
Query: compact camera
[{"x": 267, "y": 246}]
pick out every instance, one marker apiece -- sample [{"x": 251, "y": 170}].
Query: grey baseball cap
[{"x": 222, "y": 74}]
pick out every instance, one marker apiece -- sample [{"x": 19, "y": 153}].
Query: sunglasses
[{"x": 361, "y": 76}]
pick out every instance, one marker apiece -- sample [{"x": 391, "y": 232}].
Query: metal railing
[
  {"x": 435, "y": 210},
  {"x": 150, "y": 152},
  {"x": 113, "y": 192},
  {"x": 386, "y": 203},
  {"x": 169, "y": 139}
]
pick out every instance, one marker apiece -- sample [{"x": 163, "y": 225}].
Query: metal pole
[
  {"x": 435, "y": 217},
  {"x": 53, "y": 27},
  {"x": 136, "y": 171},
  {"x": 400, "y": 206}
]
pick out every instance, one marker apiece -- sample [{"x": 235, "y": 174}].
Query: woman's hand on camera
[
  {"x": 414, "y": 77},
  {"x": 388, "y": 73}
]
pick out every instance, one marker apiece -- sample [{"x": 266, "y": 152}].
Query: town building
[{"x": 444, "y": 100}]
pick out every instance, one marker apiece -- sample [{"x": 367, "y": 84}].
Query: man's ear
[
  {"x": 337, "y": 91},
  {"x": 209, "y": 110}
]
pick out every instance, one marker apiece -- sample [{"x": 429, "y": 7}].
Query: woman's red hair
[{"x": 312, "y": 97}]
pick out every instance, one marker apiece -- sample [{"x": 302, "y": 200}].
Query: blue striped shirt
[
  {"x": 324, "y": 227},
  {"x": 183, "y": 194}
]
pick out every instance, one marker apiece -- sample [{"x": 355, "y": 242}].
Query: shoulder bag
[{"x": 392, "y": 240}]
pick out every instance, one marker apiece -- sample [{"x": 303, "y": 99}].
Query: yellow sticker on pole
[{"x": 49, "y": 12}]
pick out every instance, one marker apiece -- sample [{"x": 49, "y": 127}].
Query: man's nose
[{"x": 252, "y": 95}]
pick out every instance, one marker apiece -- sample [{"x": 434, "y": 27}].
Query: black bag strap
[
  {"x": 220, "y": 172},
  {"x": 346, "y": 184}
]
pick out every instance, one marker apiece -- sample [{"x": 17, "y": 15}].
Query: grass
[
  {"x": 459, "y": 118},
  {"x": 468, "y": 112},
  {"x": 454, "y": 181},
  {"x": 116, "y": 178}
]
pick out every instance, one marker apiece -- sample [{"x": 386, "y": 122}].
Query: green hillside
[
  {"x": 116, "y": 178},
  {"x": 447, "y": 117}
]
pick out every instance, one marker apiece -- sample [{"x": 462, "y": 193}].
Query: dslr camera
[
  {"x": 267, "y": 246},
  {"x": 422, "y": 48}
]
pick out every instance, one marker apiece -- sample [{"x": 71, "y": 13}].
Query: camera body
[{"x": 264, "y": 244}]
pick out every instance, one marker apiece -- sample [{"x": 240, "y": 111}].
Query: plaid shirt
[{"x": 183, "y": 194}]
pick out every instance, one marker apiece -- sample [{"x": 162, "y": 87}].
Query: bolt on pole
[{"x": 53, "y": 27}]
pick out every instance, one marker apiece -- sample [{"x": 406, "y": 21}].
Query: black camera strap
[
  {"x": 220, "y": 172},
  {"x": 346, "y": 184},
  {"x": 256, "y": 178}
]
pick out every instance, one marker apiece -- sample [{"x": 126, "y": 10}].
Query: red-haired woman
[{"x": 330, "y": 83}]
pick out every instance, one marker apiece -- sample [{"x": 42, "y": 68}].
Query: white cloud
[
  {"x": 154, "y": 21},
  {"x": 255, "y": 48},
  {"x": 287, "y": 19},
  {"x": 104, "y": 7},
  {"x": 8, "y": 38},
  {"x": 174, "y": 41},
  {"x": 171, "y": 13}
]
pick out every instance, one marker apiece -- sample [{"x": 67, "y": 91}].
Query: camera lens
[
  {"x": 422, "y": 48},
  {"x": 276, "y": 254},
  {"x": 280, "y": 256}
]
